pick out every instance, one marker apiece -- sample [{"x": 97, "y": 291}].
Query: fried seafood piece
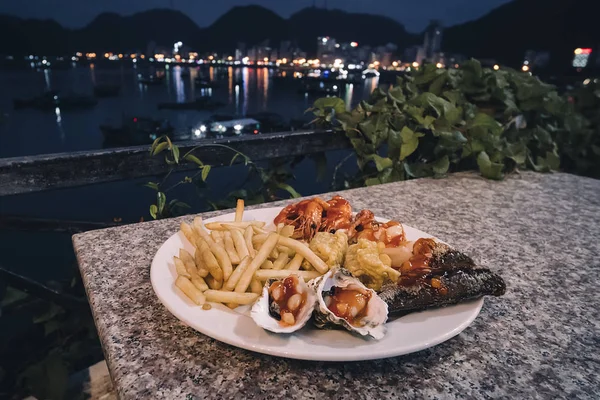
[
  {"x": 330, "y": 247},
  {"x": 437, "y": 275},
  {"x": 316, "y": 215},
  {"x": 366, "y": 262},
  {"x": 364, "y": 226}
]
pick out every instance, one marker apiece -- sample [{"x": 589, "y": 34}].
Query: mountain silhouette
[
  {"x": 504, "y": 34},
  {"x": 507, "y": 32}
]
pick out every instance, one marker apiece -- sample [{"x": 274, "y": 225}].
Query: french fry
[
  {"x": 240, "y": 243},
  {"x": 217, "y": 236},
  {"x": 279, "y": 227},
  {"x": 188, "y": 260},
  {"x": 239, "y": 210},
  {"x": 190, "y": 290},
  {"x": 286, "y": 250},
  {"x": 258, "y": 239},
  {"x": 306, "y": 252},
  {"x": 258, "y": 230},
  {"x": 295, "y": 263},
  {"x": 189, "y": 233},
  {"x": 268, "y": 264},
  {"x": 200, "y": 263},
  {"x": 222, "y": 226},
  {"x": 200, "y": 283},
  {"x": 255, "y": 286},
  {"x": 221, "y": 296},
  {"x": 218, "y": 251},
  {"x": 230, "y": 248},
  {"x": 281, "y": 261},
  {"x": 180, "y": 268},
  {"x": 261, "y": 256},
  {"x": 213, "y": 283},
  {"x": 274, "y": 253},
  {"x": 287, "y": 231},
  {"x": 265, "y": 274},
  {"x": 210, "y": 261},
  {"x": 248, "y": 234},
  {"x": 236, "y": 275}
]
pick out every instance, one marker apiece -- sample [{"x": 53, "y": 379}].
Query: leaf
[
  {"x": 152, "y": 185},
  {"x": 410, "y": 142},
  {"x": 438, "y": 104},
  {"x": 205, "y": 172},
  {"x": 487, "y": 122},
  {"x": 11, "y": 296},
  {"x": 335, "y": 103},
  {"x": 52, "y": 311},
  {"x": 162, "y": 146},
  {"x": 489, "y": 169},
  {"x": 175, "y": 150},
  {"x": 154, "y": 144},
  {"x": 372, "y": 181},
  {"x": 440, "y": 167},
  {"x": 289, "y": 189},
  {"x": 153, "y": 210},
  {"x": 552, "y": 160},
  {"x": 194, "y": 159},
  {"x": 161, "y": 200},
  {"x": 382, "y": 162}
]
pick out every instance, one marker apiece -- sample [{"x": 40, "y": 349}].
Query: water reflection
[
  {"x": 211, "y": 74},
  {"x": 59, "y": 124},
  {"x": 93, "y": 73},
  {"x": 265, "y": 87},
  {"x": 47, "y": 78},
  {"x": 245, "y": 79},
  {"x": 348, "y": 96},
  {"x": 179, "y": 87},
  {"x": 230, "y": 82}
]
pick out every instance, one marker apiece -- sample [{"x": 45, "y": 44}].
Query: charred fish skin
[
  {"x": 456, "y": 286},
  {"x": 452, "y": 277}
]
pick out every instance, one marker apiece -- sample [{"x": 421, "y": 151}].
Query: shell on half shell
[{"x": 371, "y": 324}]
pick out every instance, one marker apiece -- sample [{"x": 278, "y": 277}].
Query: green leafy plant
[
  {"x": 435, "y": 120},
  {"x": 261, "y": 184}
]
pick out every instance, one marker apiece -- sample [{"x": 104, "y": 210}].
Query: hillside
[{"x": 558, "y": 26}]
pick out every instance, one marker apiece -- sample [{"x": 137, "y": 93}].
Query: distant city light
[
  {"x": 238, "y": 127},
  {"x": 106, "y": 55},
  {"x": 415, "y": 64},
  {"x": 526, "y": 62},
  {"x": 266, "y": 59},
  {"x": 587, "y": 81},
  {"x": 202, "y": 128},
  {"x": 197, "y": 132},
  {"x": 525, "y": 68},
  {"x": 120, "y": 55},
  {"x": 211, "y": 57},
  {"x": 581, "y": 57},
  {"x": 496, "y": 67},
  {"x": 230, "y": 58},
  {"x": 324, "y": 40},
  {"x": 245, "y": 60},
  {"x": 439, "y": 65},
  {"x": 353, "y": 44},
  {"x": 395, "y": 64}
]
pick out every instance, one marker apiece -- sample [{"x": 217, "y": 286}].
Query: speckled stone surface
[{"x": 541, "y": 232}]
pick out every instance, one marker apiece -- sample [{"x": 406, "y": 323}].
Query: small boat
[
  {"x": 230, "y": 127},
  {"x": 320, "y": 89},
  {"x": 106, "y": 90},
  {"x": 204, "y": 84},
  {"x": 49, "y": 101},
  {"x": 200, "y": 104},
  {"x": 151, "y": 79},
  {"x": 136, "y": 131}
]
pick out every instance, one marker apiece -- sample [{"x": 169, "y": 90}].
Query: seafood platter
[{"x": 318, "y": 280}]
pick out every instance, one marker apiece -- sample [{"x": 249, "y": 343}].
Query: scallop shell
[
  {"x": 260, "y": 310},
  {"x": 377, "y": 309}
]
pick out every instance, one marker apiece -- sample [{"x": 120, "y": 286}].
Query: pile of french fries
[{"x": 232, "y": 260}]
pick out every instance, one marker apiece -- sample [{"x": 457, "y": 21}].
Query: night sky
[{"x": 414, "y": 14}]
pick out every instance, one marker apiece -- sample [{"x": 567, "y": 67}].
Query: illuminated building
[
  {"x": 432, "y": 44},
  {"x": 326, "y": 49},
  {"x": 581, "y": 57}
]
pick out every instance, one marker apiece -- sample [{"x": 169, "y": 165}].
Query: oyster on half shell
[
  {"x": 284, "y": 306},
  {"x": 344, "y": 301}
]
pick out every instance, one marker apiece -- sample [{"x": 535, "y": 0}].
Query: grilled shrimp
[
  {"x": 337, "y": 216},
  {"x": 305, "y": 216}
]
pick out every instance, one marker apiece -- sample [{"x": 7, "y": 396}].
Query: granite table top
[{"x": 540, "y": 232}]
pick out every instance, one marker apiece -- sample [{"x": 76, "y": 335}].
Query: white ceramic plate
[{"x": 404, "y": 335}]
